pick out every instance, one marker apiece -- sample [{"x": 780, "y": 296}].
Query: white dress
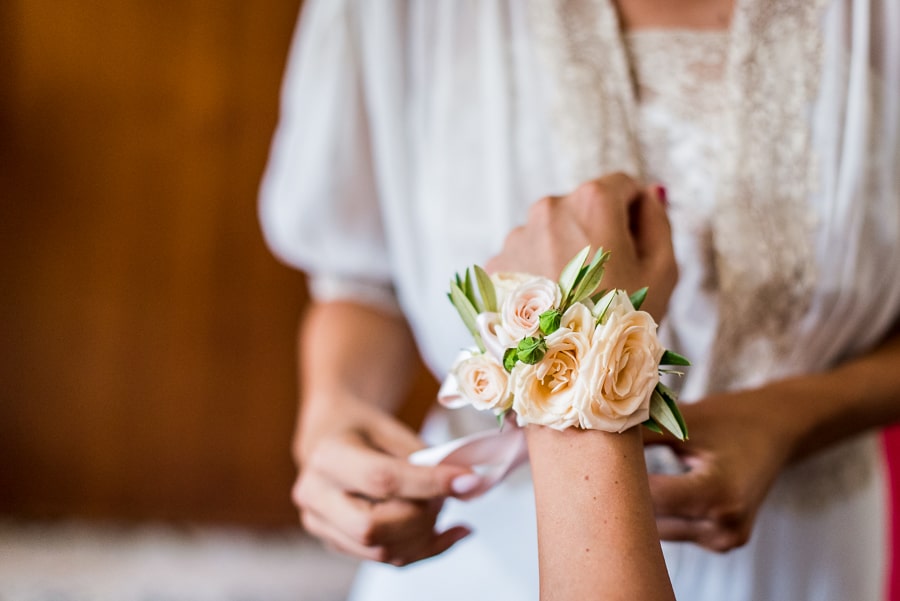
[{"x": 415, "y": 134}]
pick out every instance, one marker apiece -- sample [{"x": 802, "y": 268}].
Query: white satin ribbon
[{"x": 492, "y": 455}]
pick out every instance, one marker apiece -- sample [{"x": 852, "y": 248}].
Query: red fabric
[{"x": 892, "y": 453}]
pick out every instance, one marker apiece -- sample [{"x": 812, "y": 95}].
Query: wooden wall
[{"x": 146, "y": 335}]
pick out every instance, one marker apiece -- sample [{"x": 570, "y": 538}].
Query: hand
[
  {"x": 359, "y": 495},
  {"x": 613, "y": 212},
  {"x": 734, "y": 453}
]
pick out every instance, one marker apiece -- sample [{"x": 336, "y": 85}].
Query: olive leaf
[
  {"x": 572, "y": 273},
  {"x": 664, "y": 409},
  {"x": 637, "y": 298},
  {"x": 673, "y": 358},
  {"x": 486, "y": 289},
  {"x": 467, "y": 312}
]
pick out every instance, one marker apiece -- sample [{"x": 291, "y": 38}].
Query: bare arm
[
  {"x": 596, "y": 535},
  {"x": 355, "y": 489}
]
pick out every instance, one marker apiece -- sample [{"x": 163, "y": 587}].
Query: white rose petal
[
  {"x": 543, "y": 393},
  {"x": 507, "y": 281},
  {"x": 496, "y": 339},
  {"x": 620, "y": 371},
  {"x": 578, "y": 318},
  {"x": 483, "y": 382},
  {"x": 522, "y": 308}
]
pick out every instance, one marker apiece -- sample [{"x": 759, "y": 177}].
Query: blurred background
[
  {"x": 147, "y": 380},
  {"x": 147, "y": 383}
]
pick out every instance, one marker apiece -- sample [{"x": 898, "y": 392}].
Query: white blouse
[{"x": 414, "y": 135}]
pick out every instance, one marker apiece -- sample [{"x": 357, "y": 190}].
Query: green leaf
[
  {"x": 592, "y": 277},
  {"x": 637, "y": 298},
  {"x": 662, "y": 414},
  {"x": 673, "y": 372},
  {"x": 510, "y": 358},
  {"x": 652, "y": 425},
  {"x": 486, "y": 289},
  {"x": 602, "y": 306},
  {"x": 531, "y": 350},
  {"x": 571, "y": 272},
  {"x": 501, "y": 419},
  {"x": 672, "y": 401},
  {"x": 673, "y": 358},
  {"x": 598, "y": 296},
  {"x": 469, "y": 289},
  {"x": 550, "y": 320},
  {"x": 467, "y": 312}
]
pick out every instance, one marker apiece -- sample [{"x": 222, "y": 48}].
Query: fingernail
[
  {"x": 462, "y": 485},
  {"x": 661, "y": 195}
]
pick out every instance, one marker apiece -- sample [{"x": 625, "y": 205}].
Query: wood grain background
[{"x": 147, "y": 359}]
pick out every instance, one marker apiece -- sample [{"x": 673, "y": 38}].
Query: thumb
[
  {"x": 392, "y": 436},
  {"x": 653, "y": 235}
]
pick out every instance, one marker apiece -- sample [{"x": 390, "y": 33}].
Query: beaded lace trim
[{"x": 763, "y": 78}]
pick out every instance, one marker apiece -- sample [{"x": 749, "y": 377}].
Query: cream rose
[
  {"x": 496, "y": 339},
  {"x": 578, "y": 318},
  {"x": 543, "y": 392},
  {"x": 521, "y": 309},
  {"x": 478, "y": 380},
  {"x": 620, "y": 371},
  {"x": 507, "y": 281}
]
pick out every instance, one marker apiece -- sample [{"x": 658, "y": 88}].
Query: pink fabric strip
[{"x": 491, "y": 454}]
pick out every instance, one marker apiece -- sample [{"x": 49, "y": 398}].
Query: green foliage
[
  {"x": 637, "y": 298},
  {"x": 550, "y": 320},
  {"x": 664, "y": 411},
  {"x": 673, "y": 358},
  {"x": 467, "y": 312},
  {"x": 531, "y": 349}
]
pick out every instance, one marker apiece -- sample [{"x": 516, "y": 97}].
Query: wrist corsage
[{"x": 561, "y": 354}]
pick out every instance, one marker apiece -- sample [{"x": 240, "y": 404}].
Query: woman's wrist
[{"x": 594, "y": 509}]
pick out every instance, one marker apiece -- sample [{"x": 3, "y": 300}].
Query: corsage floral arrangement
[{"x": 561, "y": 354}]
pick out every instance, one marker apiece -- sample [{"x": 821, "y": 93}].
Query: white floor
[{"x": 79, "y": 562}]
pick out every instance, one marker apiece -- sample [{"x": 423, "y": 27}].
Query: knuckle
[
  {"x": 309, "y": 524},
  {"x": 381, "y": 554},
  {"x": 367, "y": 532},
  {"x": 728, "y": 539},
  {"x": 382, "y": 482},
  {"x": 317, "y": 457},
  {"x": 542, "y": 209},
  {"x": 591, "y": 189},
  {"x": 300, "y": 493}
]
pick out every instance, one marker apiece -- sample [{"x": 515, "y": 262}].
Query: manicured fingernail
[
  {"x": 462, "y": 485},
  {"x": 661, "y": 195}
]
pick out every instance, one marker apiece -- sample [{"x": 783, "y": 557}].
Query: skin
[{"x": 595, "y": 517}]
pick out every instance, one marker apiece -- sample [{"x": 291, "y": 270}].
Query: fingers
[
  {"x": 367, "y": 522},
  {"x": 680, "y": 496},
  {"x": 653, "y": 233},
  {"x": 395, "y": 531},
  {"x": 356, "y": 467},
  {"x": 689, "y": 508},
  {"x": 396, "y": 552},
  {"x": 602, "y": 208}
]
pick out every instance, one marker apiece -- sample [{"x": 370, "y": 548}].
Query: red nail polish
[{"x": 661, "y": 195}]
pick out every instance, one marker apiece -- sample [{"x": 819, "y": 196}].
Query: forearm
[
  {"x": 822, "y": 409},
  {"x": 351, "y": 355},
  {"x": 597, "y": 537}
]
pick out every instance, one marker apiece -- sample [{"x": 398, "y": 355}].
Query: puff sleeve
[{"x": 319, "y": 207}]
